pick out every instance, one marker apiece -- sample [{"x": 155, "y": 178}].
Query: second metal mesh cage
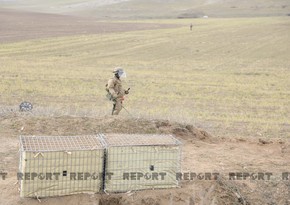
[{"x": 136, "y": 162}]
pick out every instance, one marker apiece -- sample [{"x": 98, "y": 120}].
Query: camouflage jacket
[{"x": 114, "y": 88}]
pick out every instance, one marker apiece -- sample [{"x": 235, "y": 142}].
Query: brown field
[{"x": 18, "y": 26}]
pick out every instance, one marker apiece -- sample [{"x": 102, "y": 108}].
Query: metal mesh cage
[
  {"x": 137, "y": 161},
  {"x": 60, "y": 165}
]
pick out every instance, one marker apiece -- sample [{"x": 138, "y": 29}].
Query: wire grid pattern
[
  {"x": 59, "y": 143},
  {"x": 139, "y": 140},
  {"x": 143, "y": 154},
  {"x": 147, "y": 160},
  {"x": 68, "y": 167},
  {"x": 65, "y": 155},
  {"x": 114, "y": 153}
]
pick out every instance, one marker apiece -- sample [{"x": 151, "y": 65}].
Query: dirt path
[{"x": 201, "y": 153}]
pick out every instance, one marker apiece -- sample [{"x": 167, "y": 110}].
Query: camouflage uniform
[{"x": 115, "y": 90}]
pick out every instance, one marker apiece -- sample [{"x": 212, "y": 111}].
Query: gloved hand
[{"x": 127, "y": 91}]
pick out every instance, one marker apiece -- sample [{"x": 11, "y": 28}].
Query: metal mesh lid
[
  {"x": 139, "y": 139},
  {"x": 59, "y": 143}
]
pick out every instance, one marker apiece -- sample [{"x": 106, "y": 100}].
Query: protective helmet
[{"x": 120, "y": 72}]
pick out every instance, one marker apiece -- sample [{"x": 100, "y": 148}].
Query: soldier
[{"x": 115, "y": 91}]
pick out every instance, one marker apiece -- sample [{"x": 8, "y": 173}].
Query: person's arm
[{"x": 111, "y": 86}]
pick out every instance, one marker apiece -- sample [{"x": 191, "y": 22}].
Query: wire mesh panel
[
  {"x": 60, "y": 165},
  {"x": 136, "y": 162}
]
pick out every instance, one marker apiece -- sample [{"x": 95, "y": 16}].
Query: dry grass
[{"x": 230, "y": 76}]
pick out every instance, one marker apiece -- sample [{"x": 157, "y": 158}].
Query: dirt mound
[
  {"x": 202, "y": 153},
  {"x": 66, "y": 125}
]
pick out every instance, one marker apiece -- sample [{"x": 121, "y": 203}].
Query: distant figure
[
  {"x": 190, "y": 26},
  {"x": 115, "y": 91}
]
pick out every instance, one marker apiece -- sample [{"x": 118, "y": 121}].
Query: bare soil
[
  {"x": 202, "y": 153},
  {"x": 21, "y": 25}
]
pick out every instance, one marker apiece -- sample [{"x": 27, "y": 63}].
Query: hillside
[{"x": 133, "y": 9}]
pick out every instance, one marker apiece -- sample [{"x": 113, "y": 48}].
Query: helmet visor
[{"x": 122, "y": 73}]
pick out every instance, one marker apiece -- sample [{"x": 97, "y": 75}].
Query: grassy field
[{"x": 229, "y": 76}]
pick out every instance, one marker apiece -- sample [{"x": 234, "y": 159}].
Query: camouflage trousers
[{"x": 117, "y": 106}]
